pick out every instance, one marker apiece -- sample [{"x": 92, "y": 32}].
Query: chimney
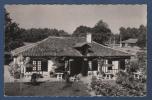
[{"x": 89, "y": 38}]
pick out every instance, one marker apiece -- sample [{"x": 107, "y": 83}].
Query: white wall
[
  {"x": 115, "y": 64},
  {"x": 51, "y": 65}
]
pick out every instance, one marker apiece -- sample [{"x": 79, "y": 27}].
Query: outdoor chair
[
  {"x": 109, "y": 76},
  {"x": 74, "y": 78},
  {"x": 59, "y": 76},
  {"x": 89, "y": 73},
  {"x": 95, "y": 73}
]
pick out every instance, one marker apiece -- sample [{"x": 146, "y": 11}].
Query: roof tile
[{"x": 64, "y": 46}]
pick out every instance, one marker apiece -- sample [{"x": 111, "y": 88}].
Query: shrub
[
  {"x": 106, "y": 89},
  {"x": 14, "y": 70},
  {"x": 134, "y": 86},
  {"x": 125, "y": 85}
]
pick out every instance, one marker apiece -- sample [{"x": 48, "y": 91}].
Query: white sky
[{"x": 69, "y": 17}]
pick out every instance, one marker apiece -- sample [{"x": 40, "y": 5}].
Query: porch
[{"x": 102, "y": 68}]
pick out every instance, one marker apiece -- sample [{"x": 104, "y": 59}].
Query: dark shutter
[
  {"x": 85, "y": 68},
  {"x": 94, "y": 65},
  {"x": 122, "y": 64},
  {"x": 44, "y": 66}
]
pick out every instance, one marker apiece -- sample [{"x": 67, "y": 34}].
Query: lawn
[{"x": 46, "y": 89}]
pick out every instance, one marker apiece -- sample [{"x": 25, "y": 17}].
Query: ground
[{"x": 45, "y": 89}]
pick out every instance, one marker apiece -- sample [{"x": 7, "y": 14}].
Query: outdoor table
[
  {"x": 108, "y": 75},
  {"x": 59, "y": 76}
]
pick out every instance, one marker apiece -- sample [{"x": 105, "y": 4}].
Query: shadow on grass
[
  {"x": 71, "y": 85},
  {"x": 33, "y": 84}
]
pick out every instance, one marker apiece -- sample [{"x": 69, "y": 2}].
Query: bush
[
  {"x": 106, "y": 89},
  {"x": 14, "y": 70},
  {"x": 134, "y": 87},
  {"x": 125, "y": 85}
]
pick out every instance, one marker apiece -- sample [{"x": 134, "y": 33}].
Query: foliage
[
  {"x": 106, "y": 89},
  {"x": 100, "y": 32},
  {"x": 125, "y": 86},
  {"x": 133, "y": 67},
  {"x": 132, "y": 85},
  {"x": 114, "y": 39},
  {"x": 139, "y": 33},
  {"x": 34, "y": 34},
  {"x": 124, "y": 78},
  {"x": 14, "y": 70},
  {"x": 12, "y": 34},
  {"x": 16, "y": 36},
  {"x": 142, "y": 36},
  {"x": 15, "y": 67},
  {"x": 142, "y": 62},
  {"x": 81, "y": 31}
]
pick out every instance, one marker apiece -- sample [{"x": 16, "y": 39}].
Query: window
[
  {"x": 39, "y": 65},
  {"x": 34, "y": 65}
]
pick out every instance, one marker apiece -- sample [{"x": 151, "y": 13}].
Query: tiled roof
[
  {"x": 80, "y": 44},
  {"x": 105, "y": 51},
  {"x": 64, "y": 46},
  {"x": 130, "y": 41}
]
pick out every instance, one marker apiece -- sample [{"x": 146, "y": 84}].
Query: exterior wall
[
  {"x": 128, "y": 44},
  {"x": 39, "y": 65},
  {"x": 51, "y": 65},
  {"x": 104, "y": 68},
  {"x": 115, "y": 67}
]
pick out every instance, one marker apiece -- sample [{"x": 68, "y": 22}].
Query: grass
[{"x": 46, "y": 89}]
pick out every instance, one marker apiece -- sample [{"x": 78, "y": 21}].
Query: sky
[{"x": 69, "y": 17}]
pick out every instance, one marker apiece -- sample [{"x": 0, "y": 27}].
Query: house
[
  {"x": 75, "y": 54},
  {"x": 129, "y": 43}
]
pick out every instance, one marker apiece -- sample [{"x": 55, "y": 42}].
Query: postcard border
[{"x": 149, "y": 43}]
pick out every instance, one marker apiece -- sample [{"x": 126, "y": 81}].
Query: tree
[
  {"x": 82, "y": 31},
  {"x": 142, "y": 36},
  {"x": 124, "y": 33},
  {"x": 12, "y": 34},
  {"x": 38, "y": 34},
  {"x": 100, "y": 32},
  {"x": 139, "y": 33}
]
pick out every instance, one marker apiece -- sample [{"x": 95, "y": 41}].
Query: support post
[
  {"x": 70, "y": 65},
  {"x": 90, "y": 65},
  {"x": 84, "y": 69},
  {"x": 127, "y": 64},
  {"x": 66, "y": 65}
]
